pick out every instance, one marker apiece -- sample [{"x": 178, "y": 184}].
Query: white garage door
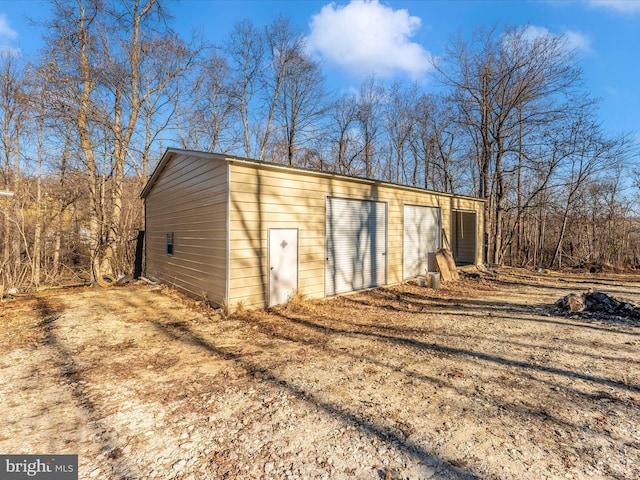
[
  {"x": 356, "y": 245},
  {"x": 421, "y": 239}
]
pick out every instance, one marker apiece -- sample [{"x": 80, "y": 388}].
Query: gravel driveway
[{"x": 479, "y": 379}]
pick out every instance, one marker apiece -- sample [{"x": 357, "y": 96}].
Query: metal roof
[{"x": 170, "y": 152}]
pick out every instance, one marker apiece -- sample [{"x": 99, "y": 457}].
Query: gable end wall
[{"x": 189, "y": 199}]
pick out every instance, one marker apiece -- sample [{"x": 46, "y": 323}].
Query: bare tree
[
  {"x": 71, "y": 46},
  {"x": 211, "y": 113},
  {"x": 164, "y": 82},
  {"x": 436, "y": 144},
  {"x": 124, "y": 59},
  {"x": 302, "y": 101},
  {"x": 246, "y": 48},
  {"x": 345, "y": 149},
  {"x": 284, "y": 47},
  {"x": 502, "y": 86},
  {"x": 105, "y": 60},
  {"x": 590, "y": 152},
  {"x": 510, "y": 123},
  {"x": 14, "y": 111},
  {"x": 370, "y": 103},
  {"x": 399, "y": 123}
]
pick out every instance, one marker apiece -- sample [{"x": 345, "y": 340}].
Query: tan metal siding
[
  {"x": 220, "y": 210},
  {"x": 260, "y": 200},
  {"x": 189, "y": 198},
  {"x": 263, "y": 198}
]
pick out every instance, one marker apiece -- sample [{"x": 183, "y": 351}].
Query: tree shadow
[
  {"x": 70, "y": 373},
  {"x": 425, "y": 304},
  {"x": 180, "y": 331},
  {"x": 467, "y": 312},
  {"x": 466, "y": 353},
  {"x": 564, "y": 285},
  {"x": 291, "y": 335}
]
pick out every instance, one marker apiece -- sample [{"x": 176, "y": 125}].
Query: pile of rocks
[{"x": 599, "y": 305}]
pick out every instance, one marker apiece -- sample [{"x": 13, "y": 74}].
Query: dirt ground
[{"x": 479, "y": 379}]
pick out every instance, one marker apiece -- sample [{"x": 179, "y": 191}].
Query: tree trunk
[
  {"x": 37, "y": 255},
  {"x": 557, "y": 255}
]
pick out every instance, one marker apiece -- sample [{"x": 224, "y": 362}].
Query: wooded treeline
[{"x": 504, "y": 116}]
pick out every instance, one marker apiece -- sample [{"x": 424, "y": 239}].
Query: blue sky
[{"x": 395, "y": 38}]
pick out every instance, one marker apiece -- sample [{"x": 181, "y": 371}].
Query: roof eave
[{"x": 168, "y": 153}]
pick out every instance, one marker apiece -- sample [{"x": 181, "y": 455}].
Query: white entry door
[{"x": 283, "y": 264}]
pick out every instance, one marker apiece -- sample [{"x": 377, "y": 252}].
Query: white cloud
[
  {"x": 611, "y": 91},
  {"x": 365, "y": 37},
  {"x": 578, "y": 41},
  {"x": 533, "y": 31},
  {"x": 5, "y": 30},
  {"x": 620, "y": 6},
  {"x": 7, "y": 33},
  {"x": 575, "y": 40}
]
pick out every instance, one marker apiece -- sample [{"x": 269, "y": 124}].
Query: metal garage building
[{"x": 243, "y": 232}]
